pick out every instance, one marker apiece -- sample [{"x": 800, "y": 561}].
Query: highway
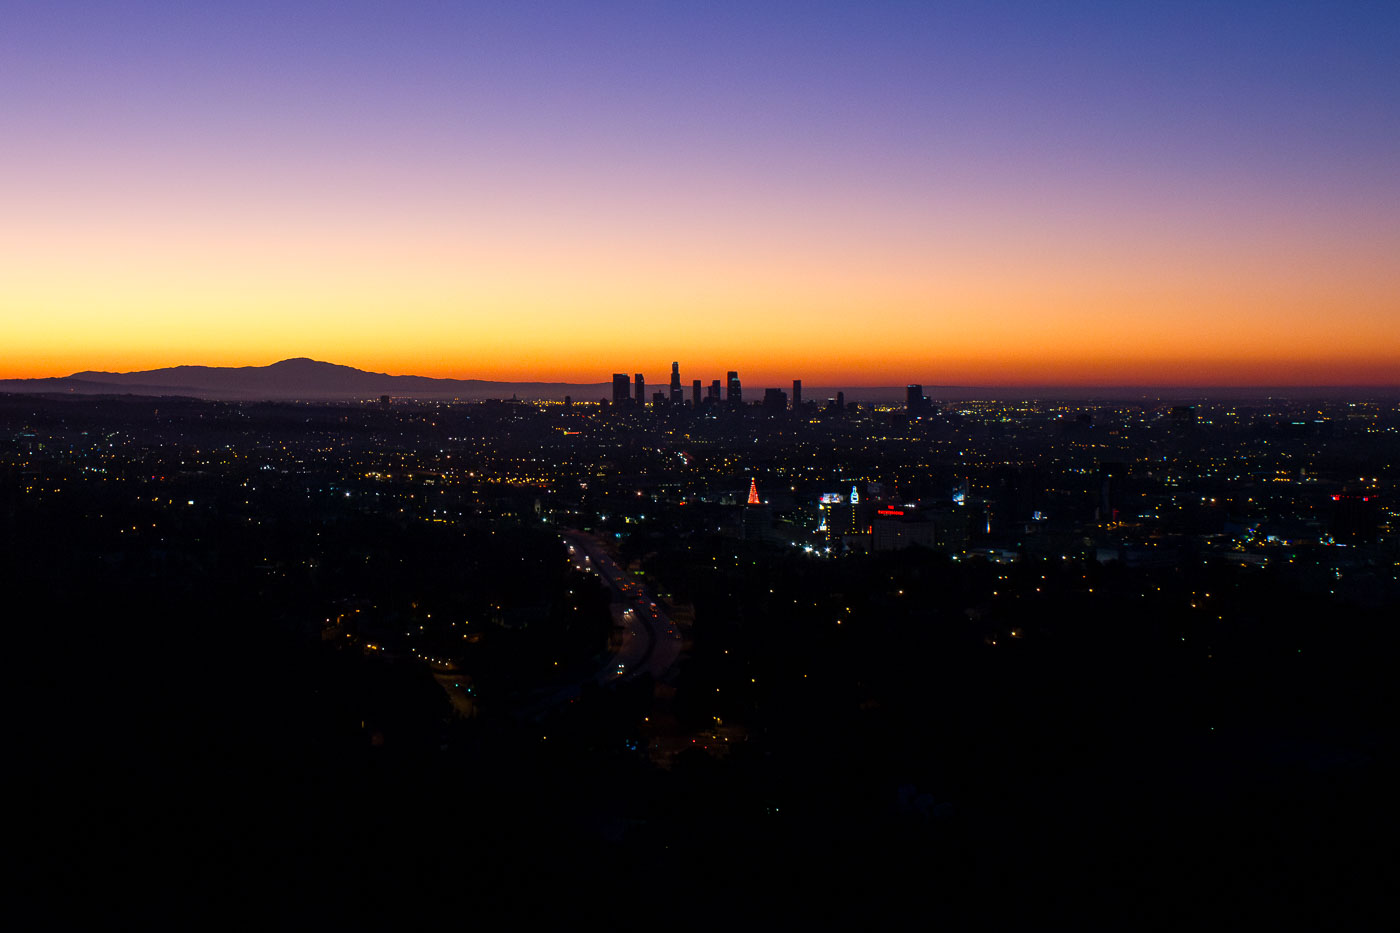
[{"x": 651, "y": 642}]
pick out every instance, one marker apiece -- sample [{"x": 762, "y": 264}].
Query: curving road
[{"x": 651, "y": 642}]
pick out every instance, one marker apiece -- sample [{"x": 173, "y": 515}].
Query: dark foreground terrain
[{"x": 222, "y": 708}]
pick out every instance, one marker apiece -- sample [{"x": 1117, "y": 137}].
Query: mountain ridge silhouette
[{"x": 293, "y": 378}]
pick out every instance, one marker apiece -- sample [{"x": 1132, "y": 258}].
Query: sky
[{"x": 848, "y": 193}]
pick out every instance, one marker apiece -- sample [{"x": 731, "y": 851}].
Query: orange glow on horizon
[
  {"x": 757, "y": 372},
  {"x": 840, "y": 292}
]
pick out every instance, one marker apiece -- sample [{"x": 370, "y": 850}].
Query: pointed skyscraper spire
[{"x": 753, "y": 492}]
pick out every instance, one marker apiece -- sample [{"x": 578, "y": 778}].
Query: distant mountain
[{"x": 299, "y": 378}]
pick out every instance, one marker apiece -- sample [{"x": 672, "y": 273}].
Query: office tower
[
  {"x": 622, "y": 389},
  {"x": 568, "y": 401},
  {"x": 841, "y": 401},
  {"x": 796, "y": 394},
  {"x": 894, "y": 528},
  {"x": 838, "y": 515},
  {"x": 914, "y": 401},
  {"x": 714, "y": 391},
  {"x": 695, "y": 393},
  {"x": 774, "y": 401},
  {"x": 676, "y": 397},
  {"x": 736, "y": 392},
  {"x": 641, "y": 389}
]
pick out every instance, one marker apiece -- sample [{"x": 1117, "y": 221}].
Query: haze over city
[{"x": 971, "y": 194}]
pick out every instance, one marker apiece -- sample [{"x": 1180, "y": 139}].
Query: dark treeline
[{"x": 190, "y": 728}]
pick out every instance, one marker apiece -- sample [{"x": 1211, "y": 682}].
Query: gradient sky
[{"x": 860, "y": 193}]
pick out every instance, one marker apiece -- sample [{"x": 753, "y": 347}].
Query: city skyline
[
  {"x": 316, "y": 380},
  {"x": 997, "y": 194}
]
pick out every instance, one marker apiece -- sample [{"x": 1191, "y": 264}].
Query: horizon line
[{"x": 605, "y": 382}]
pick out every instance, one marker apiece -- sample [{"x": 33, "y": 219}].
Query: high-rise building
[
  {"x": 774, "y": 401},
  {"x": 736, "y": 391},
  {"x": 622, "y": 390},
  {"x": 640, "y": 388},
  {"x": 676, "y": 397},
  {"x": 914, "y": 401},
  {"x": 796, "y": 394},
  {"x": 695, "y": 393},
  {"x": 838, "y": 515},
  {"x": 896, "y": 527},
  {"x": 714, "y": 391}
]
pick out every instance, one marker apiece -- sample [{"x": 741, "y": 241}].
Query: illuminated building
[
  {"x": 756, "y": 519},
  {"x": 676, "y": 397},
  {"x": 896, "y": 527},
  {"x": 736, "y": 391},
  {"x": 837, "y": 515}
]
